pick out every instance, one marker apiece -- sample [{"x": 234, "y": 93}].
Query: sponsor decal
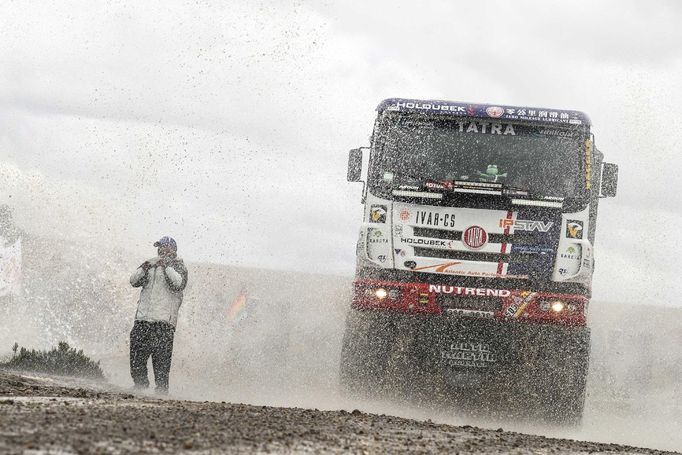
[
  {"x": 558, "y": 133},
  {"x": 467, "y": 363},
  {"x": 520, "y": 302},
  {"x": 404, "y": 214},
  {"x": 468, "y": 354},
  {"x": 474, "y": 237},
  {"x": 445, "y": 268},
  {"x": 435, "y": 219},
  {"x": 408, "y": 187},
  {"x": 438, "y": 186},
  {"x": 570, "y": 253},
  {"x": 382, "y": 258},
  {"x": 474, "y": 313},
  {"x": 574, "y": 229},
  {"x": 375, "y": 236},
  {"x": 429, "y": 106},
  {"x": 399, "y": 252},
  {"x": 531, "y": 249},
  {"x": 469, "y": 346},
  {"x": 526, "y": 225},
  {"x": 427, "y": 242},
  {"x": 439, "y": 268},
  {"x": 478, "y": 292},
  {"x": 515, "y": 113},
  {"x": 494, "y": 111},
  {"x": 542, "y": 115},
  {"x": 563, "y": 271},
  {"x": 398, "y": 229},
  {"x": 377, "y": 214},
  {"x": 483, "y": 127}
]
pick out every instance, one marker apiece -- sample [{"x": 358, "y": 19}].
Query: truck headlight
[
  {"x": 381, "y": 293},
  {"x": 557, "y": 306}
]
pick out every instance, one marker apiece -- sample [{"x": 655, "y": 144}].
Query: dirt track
[{"x": 41, "y": 415}]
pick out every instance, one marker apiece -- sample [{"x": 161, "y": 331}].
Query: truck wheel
[
  {"x": 562, "y": 376},
  {"x": 366, "y": 342}
]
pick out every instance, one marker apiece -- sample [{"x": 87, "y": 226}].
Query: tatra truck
[{"x": 476, "y": 254}]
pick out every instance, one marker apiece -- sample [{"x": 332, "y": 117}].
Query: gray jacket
[{"x": 162, "y": 287}]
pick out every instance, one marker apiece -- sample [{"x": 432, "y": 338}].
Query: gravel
[{"x": 41, "y": 415}]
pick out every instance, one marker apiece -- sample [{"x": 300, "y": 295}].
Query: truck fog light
[
  {"x": 394, "y": 294},
  {"x": 381, "y": 293},
  {"x": 572, "y": 307},
  {"x": 544, "y": 306},
  {"x": 557, "y": 306}
]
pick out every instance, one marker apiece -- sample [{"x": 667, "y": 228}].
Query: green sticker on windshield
[
  {"x": 388, "y": 176},
  {"x": 492, "y": 174}
]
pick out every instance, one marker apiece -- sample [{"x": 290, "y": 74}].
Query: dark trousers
[{"x": 151, "y": 339}]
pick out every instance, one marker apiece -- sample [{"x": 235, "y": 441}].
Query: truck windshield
[{"x": 538, "y": 159}]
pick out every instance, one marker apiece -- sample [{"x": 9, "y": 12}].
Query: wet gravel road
[{"x": 44, "y": 415}]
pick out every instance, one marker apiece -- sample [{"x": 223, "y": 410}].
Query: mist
[
  {"x": 284, "y": 348},
  {"x": 227, "y": 126}
]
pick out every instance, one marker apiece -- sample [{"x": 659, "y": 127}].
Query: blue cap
[{"x": 166, "y": 241}]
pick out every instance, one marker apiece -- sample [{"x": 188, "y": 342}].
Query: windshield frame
[{"x": 376, "y": 186}]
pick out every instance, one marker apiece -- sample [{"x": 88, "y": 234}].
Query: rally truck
[{"x": 476, "y": 254}]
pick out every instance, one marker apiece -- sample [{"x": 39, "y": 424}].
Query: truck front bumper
[
  {"x": 470, "y": 352},
  {"x": 512, "y": 306}
]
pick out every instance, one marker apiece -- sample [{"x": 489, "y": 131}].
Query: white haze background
[{"x": 226, "y": 124}]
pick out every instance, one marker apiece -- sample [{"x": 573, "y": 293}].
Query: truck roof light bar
[
  {"x": 423, "y": 194},
  {"x": 537, "y": 203}
]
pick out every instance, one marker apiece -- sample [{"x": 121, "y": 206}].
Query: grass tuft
[{"x": 62, "y": 360}]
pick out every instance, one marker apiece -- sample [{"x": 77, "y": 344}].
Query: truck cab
[{"x": 477, "y": 242}]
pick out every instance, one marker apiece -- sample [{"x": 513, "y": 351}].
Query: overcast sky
[{"x": 227, "y": 124}]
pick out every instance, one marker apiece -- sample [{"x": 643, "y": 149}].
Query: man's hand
[
  {"x": 145, "y": 265},
  {"x": 163, "y": 262}
]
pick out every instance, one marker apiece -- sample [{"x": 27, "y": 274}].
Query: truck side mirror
[
  {"x": 609, "y": 180},
  {"x": 355, "y": 165}
]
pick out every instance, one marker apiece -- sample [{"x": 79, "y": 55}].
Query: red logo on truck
[
  {"x": 404, "y": 215},
  {"x": 474, "y": 237}
]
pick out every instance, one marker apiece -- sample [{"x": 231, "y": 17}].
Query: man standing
[{"x": 163, "y": 280}]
